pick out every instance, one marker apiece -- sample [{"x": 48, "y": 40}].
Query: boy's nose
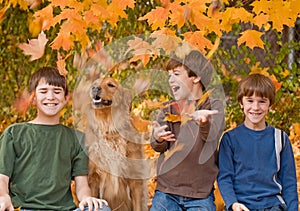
[
  {"x": 171, "y": 78},
  {"x": 50, "y": 95},
  {"x": 256, "y": 105}
]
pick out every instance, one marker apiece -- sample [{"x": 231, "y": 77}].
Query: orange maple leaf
[
  {"x": 198, "y": 40},
  {"x": 179, "y": 14},
  {"x": 177, "y": 147},
  {"x": 44, "y": 17},
  {"x": 63, "y": 40},
  {"x": 172, "y": 117},
  {"x": 276, "y": 83},
  {"x": 156, "y": 18},
  {"x": 125, "y": 3},
  {"x": 35, "y": 47},
  {"x": 141, "y": 50},
  {"x": 23, "y": 102},
  {"x": 165, "y": 42},
  {"x": 251, "y": 38},
  {"x": 261, "y": 20},
  {"x": 61, "y": 65},
  {"x": 273, "y": 8}
]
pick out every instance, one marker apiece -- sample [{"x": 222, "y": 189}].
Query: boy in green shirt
[{"x": 38, "y": 159}]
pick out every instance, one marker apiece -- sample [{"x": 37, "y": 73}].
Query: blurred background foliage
[{"x": 231, "y": 61}]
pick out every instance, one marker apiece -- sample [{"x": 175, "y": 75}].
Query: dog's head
[{"x": 102, "y": 92}]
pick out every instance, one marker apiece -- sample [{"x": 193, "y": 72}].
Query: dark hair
[
  {"x": 52, "y": 77},
  {"x": 196, "y": 64},
  {"x": 257, "y": 84}
]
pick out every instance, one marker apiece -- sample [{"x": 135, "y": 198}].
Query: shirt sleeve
[
  {"x": 159, "y": 146},
  {"x": 287, "y": 176},
  {"x": 226, "y": 171},
  {"x": 80, "y": 160},
  {"x": 7, "y": 153}
]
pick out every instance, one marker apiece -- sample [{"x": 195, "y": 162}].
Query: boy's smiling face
[
  {"x": 181, "y": 84},
  {"x": 255, "y": 109},
  {"x": 49, "y": 100}
]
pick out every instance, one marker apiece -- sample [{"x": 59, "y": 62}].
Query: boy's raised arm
[{"x": 5, "y": 200}]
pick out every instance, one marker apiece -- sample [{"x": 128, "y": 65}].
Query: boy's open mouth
[{"x": 175, "y": 88}]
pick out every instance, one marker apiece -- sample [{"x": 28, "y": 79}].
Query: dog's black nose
[{"x": 96, "y": 90}]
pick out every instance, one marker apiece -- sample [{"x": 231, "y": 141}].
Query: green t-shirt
[{"x": 41, "y": 160}]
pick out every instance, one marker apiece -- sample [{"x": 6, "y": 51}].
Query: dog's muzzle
[{"x": 96, "y": 97}]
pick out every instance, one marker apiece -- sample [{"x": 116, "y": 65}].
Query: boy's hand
[
  {"x": 5, "y": 203},
  {"x": 92, "y": 202},
  {"x": 160, "y": 133},
  {"x": 239, "y": 207},
  {"x": 202, "y": 115}
]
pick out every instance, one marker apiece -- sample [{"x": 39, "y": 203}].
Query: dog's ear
[{"x": 122, "y": 98}]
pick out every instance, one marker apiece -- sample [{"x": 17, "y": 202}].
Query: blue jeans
[
  {"x": 280, "y": 207},
  {"x": 104, "y": 208},
  {"x": 86, "y": 208},
  {"x": 171, "y": 202}
]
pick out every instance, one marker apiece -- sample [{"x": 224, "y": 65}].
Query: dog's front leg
[{"x": 138, "y": 193}]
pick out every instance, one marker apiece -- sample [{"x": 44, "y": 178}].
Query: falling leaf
[
  {"x": 183, "y": 50},
  {"x": 187, "y": 108},
  {"x": 251, "y": 38},
  {"x": 140, "y": 124},
  {"x": 23, "y": 102},
  {"x": 35, "y": 47},
  {"x": 276, "y": 83},
  {"x": 141, "y": 50},
  {"x": 164, "y": 41},
  {"x": 172, "y": 117},
  {"x": 204, "y": 97},
  {"x": 177, "y": 147},
  {"x": 61, "y": 65}
]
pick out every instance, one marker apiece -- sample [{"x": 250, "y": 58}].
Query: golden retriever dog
[{"x": 117, "y": 170}]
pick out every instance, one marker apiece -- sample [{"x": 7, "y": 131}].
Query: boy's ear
[
  {"x": 196, "y": 79},
  {"x": 241, "y": 105},
  {"x": 67, "y": 98},
  {"x": 33, "y": 100}
]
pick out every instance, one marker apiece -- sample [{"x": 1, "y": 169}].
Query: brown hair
[
  {"x": 196, "y": 64},
  {"x": 52, "y": 77},
  {"x": 257, "y": 84}
]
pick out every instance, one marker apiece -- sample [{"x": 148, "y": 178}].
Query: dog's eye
[{"x": 111, "y": 85}]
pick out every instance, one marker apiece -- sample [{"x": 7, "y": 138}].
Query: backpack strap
[{"x": 279, "y": 144}]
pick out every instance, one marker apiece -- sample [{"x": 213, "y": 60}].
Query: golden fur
[{"x": 117, "y": 169}]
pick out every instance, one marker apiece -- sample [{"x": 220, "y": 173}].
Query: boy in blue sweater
[{"x": 257, "y": 170}]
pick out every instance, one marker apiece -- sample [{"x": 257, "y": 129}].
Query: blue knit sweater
[{"x": 249, "y": 172}]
